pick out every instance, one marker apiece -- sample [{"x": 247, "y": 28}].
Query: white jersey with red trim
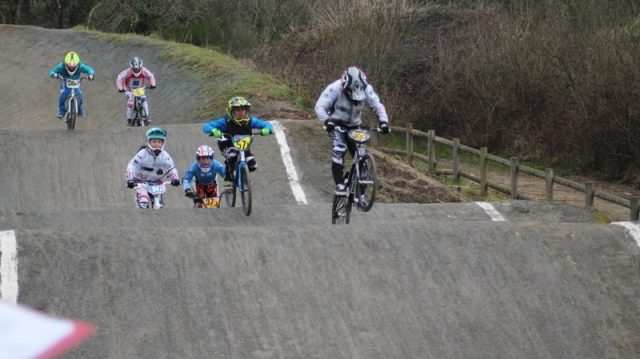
[
  {"x": 127, "y": 80},
  {"x": 145, "y": 167}
]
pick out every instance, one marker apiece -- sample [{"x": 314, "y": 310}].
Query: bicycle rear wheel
[
  {"x": 340, "y": 210},
  {"x": 71, "y": 114},
  {"x": 367, "y": 183},
  {"x": 245, "y": 190}
]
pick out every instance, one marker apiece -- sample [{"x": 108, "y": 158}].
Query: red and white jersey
[{"x": 127, "y": 80}]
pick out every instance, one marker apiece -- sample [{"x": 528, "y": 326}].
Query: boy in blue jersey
[
  {"x": 237, "y": 121},
  {"x": 71, "y": 68},
  {"x": 204, "y": 170}
]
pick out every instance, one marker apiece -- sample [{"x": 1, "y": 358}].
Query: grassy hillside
[
  {"x": 554, "y": 81},
  {"x": 551, "y": 80},
  {"x": 221, "y": 76}
]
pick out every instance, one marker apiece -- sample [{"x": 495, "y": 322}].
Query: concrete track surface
[{"x": 402, "y": 281}]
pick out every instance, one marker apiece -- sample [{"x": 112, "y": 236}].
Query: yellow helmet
[
  {"x": 71, "y": 62},
  {"x": 238, "y": 101}
]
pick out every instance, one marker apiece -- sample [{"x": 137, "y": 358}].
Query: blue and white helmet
[{"x": 204, "y": 152}]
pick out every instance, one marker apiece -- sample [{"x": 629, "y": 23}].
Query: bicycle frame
[
  {"x": 156, "y": 192},
  {"x": 72, "y": 101},
  {"x": 138, "y": 107},
  {"x": 355, "y": 180},
  {"x": 241, "y": 182}
]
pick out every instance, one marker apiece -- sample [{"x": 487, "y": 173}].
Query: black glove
[
  {"x": 384, "y": 128},
  {"x": 121, "y": 90},
  {"x": 329, "y": 125},
  {"x": 90, "y": 77},
  {"x": 189, "y": 193},
  {"x": 175, "y": 182},
  {"x": 151, "y": 87},
  {"x": 130, "y": 183},
  {"x": 55, "y": 75}
]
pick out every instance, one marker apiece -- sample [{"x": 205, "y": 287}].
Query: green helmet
[
  {"x": 238, "y": 101},
  {"x": 157, "y": 132}
]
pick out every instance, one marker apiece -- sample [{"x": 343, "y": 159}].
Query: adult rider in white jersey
[{"x": 340, "y": 107}]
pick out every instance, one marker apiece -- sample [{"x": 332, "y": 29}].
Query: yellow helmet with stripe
[
  {"x": 71, "y": 62},
  {"x": 239, "y": 101}
]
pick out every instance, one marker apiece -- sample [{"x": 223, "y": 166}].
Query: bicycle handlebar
[
  {"x": 144, "y": 184},
  {"x": 377, "y": 129},
  {"x": 68, "y": 78}
]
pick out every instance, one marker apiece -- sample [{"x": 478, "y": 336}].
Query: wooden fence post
[
  {"x": 431, "y": 150},
  {"x": 588, "y": 194},
  {"x": 514, "y": 177},
  {"x": 455, "y": 166},
  {"x": 633, "y": 201},
  {"x": 483, "y": 171},
  {"x": 548, "y": 187},
  {"x": 410, "y": 143}
]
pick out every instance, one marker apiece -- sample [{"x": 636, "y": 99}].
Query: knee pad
[
  {"x": 253, "y": 164},
  {"x": 338, "y": 157},
  {"x": 231, "y": 153}
]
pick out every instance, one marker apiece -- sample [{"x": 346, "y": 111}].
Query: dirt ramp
[
  {"x": 84, "y": 169},
  {"x": 469, "y": 290},
  {"x": 28, "y": 53}
]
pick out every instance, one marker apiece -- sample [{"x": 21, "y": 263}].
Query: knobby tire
[
  {"x": 137, "y": 120},
  {"x": 340, "y": 210},
  {"x": 366, "y": 193},
  {"x": 71, "y": 114},
  {"x": 234, "y": 189},
  {"x": 226, "y": 197},
  {"x": 245, "y": 190}
]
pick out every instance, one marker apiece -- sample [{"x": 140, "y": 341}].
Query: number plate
[
  {"x": 211, "y": 202},
  {"x": 73, "y": 83},
  {"x": 359, "y": 135},
  {"x": 138, "y": 92},
  {"x": 242, "y": 143},
  {"x": 156, "y": 188}
]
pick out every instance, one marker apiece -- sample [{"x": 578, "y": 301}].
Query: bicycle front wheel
[
  {"x": 245, "y": 190},
  {"x": 341, "y": 210},
  {"x": 367, "y": 183},
  {"x": 227, "y": 197},
  {"x": 71, "y": 114}
]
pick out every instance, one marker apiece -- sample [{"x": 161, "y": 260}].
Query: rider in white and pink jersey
[{"x": 132, "y": 78}]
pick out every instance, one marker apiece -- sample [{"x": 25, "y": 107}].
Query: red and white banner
[{"x": 28, "y": 334}]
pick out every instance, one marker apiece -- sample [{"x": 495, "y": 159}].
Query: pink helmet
[{"x": 204, "y": 151}]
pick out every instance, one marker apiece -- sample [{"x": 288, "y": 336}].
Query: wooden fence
[{"x": 484, "y": 157}]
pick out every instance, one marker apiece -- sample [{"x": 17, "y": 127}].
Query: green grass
[
  {"x": 600, "y": 217},
  {"x": 220, "y": 76}
]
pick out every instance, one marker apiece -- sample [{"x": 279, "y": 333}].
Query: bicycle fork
[
  {"x": 241, "y": 162},
  {"x": 73, "y": 102}
]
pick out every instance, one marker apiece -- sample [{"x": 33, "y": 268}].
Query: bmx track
[{"x": 463, "y": 280}]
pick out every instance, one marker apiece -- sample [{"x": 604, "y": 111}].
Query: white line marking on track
[
  {"x": 491, "y": 211},
  {"x": 633, "y": 229},
  {"x": 8, "y": 267},
  {"x": 285, "y": 152}
]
